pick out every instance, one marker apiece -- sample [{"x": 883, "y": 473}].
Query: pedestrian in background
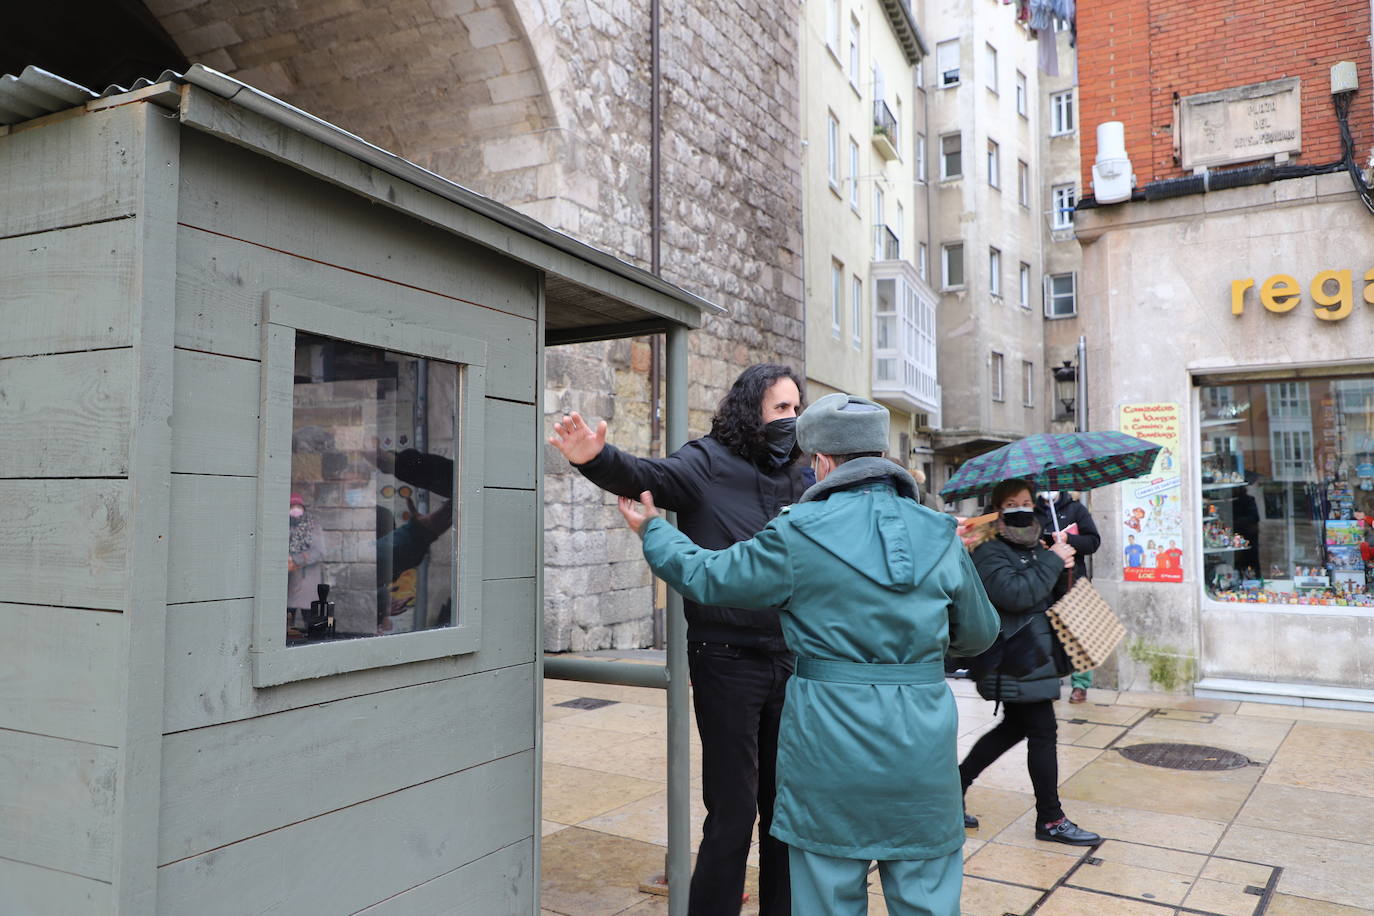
[
  {"x": 1074, "y": 518},
  {"x": 1020, "y": 574},
  {"x": 873, "y": 589},
  {"x": 725, "y": 487}
]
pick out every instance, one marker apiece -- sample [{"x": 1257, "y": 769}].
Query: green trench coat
[{"x": 866, "y": 769}]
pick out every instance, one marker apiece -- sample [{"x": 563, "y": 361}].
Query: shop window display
[{"x": 1287, "y": 484}]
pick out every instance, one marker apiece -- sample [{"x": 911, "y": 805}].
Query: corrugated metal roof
[{"x": 36, "y": 92}]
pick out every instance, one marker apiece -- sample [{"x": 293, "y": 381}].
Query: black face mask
[
  {"x": 1018, "y": 517},
  {"x": 781, "y": 436}
]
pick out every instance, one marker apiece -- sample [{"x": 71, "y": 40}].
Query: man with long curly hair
[{"x": 725, "y": 487}]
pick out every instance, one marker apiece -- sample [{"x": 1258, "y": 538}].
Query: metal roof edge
[{"x": 274, "y": 109}]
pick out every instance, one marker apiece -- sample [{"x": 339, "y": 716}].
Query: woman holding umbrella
[{"x": 1019, "y": 574}]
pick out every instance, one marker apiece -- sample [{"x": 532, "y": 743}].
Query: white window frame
[
  {"x": 920, "y": 70},
  {"x": 854, "y": 53},
  {"x": 1024, "y": 286},
  {"x": 1022, "y": 95},
  {"x": 1051, "y": 310},
  {"x": 1027, "y": 383},
  {"x": 994, "y": 164},
  {"x": 832, "y": 27},
  {"x": 898, "y": 226},
  {"x": 944, "y": 157},
  {"x": 832, "y": 151},
  {"x": 947, "y": 77},
  {"x": 1062, "y": 121},
  {"x": 921, "y": 154},
  {"x": 856, "y": 305},
  {"x": 923, "y": 261},
  {"x": 1063, "y": 198},
  {"x": 945, "y": 264},
  {"x": 879, "y": 221},
  {"x": 995, "y": 272},
  {"x": 1023, "y": 183},
  {"x": 997, "y": 376},
  {"x": 836, "y": 297},
  {"x": 273, "y": 661},
  {"x": 990, "y": 60},
  {"x": 854, "y": 174}
]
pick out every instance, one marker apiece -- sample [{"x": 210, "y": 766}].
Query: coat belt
[{"x": 821, "y": 669}]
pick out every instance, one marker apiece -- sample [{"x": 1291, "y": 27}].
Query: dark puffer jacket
[
  {"x": 721, "y": 498},
  {"x": 1019, "y": 583},
  {"x": 1085, "y": 543}
]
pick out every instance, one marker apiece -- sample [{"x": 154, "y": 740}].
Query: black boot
[{"x": 1066, "y": 831}]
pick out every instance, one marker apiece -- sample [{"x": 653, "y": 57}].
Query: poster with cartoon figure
[{"x": 1152, "y": 506}]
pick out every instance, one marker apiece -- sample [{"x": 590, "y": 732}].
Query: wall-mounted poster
[{"x": 1152, "y": 506}]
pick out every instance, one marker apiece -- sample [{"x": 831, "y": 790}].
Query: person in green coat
[
  {"x": 873, "y": 589},
  {"x": 1020, "y": 574}
]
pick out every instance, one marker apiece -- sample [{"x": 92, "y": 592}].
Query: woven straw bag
[{"x": 1085, "y": 624}]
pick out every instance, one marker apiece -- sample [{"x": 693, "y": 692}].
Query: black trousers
[
  {"x": 738, "y": 694},
  {"x": 1034, "y": 722}
]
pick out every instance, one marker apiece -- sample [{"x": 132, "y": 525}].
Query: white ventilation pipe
[{"x": 1112, "y": 175}]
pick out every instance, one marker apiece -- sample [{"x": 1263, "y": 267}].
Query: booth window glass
[
  {"x": 1287, "y": 482},
  {"x": 373, "y": 537}
]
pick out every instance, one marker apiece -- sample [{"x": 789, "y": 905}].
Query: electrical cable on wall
[{"x": 1342, "y": 101}]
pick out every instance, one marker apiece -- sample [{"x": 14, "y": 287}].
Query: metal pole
[
  {"x": 1080, "y": 419},
  {"x": 593, "y": 671},
  {"x": 679, "y": 734}
]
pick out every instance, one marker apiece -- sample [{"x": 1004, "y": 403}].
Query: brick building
[{"x": 1228, "y": 299}]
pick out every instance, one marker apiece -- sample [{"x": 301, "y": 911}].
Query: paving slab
[
  {"x": 1113, "y": 779},
  {"x": 1328, "y": 870},
  {"x": 1069, "y": 901},
  {"x": 1186, "y": 864},
  {"x": 1222, "y": 898},
  {"x": 1133, "y": 881},
  {"x": 1310, "y": 812},
  {"x": 1018, "y": 865},
  {"x": 573, "y": 794}
]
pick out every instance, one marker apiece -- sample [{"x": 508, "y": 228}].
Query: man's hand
[
  {"x": 965, "y": 530},
  {"x": 578, "y": 442},
  {"x": 638, "y": 514}
]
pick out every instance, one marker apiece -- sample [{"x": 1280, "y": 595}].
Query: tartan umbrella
[{"x": 1056, "y": 461}]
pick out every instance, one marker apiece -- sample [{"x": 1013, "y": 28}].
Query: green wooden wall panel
[
  {"x": 500, "y": 882},
  {"x": 64, "y": 542}
]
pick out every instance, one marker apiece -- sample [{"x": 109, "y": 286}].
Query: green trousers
[
  {"x": 1082, "y": 679},
  {"x": 827, "y": 886}
]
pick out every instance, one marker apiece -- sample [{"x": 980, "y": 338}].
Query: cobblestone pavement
[{"x": 1292, "y": 834}]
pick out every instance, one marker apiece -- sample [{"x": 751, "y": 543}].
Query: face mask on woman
[{"x": 1019, "y": 526}]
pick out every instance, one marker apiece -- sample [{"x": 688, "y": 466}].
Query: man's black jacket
[
  {"x": 1084, "y": 543},
  {"x": 720, "y": 498}
]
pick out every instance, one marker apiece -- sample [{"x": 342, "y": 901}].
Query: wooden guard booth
[{"x": 216, "y": 306}]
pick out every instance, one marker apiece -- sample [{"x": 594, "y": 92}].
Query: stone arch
[{"x": 466, "y": 88}]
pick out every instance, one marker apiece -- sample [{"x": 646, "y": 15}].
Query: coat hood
[{"x": 868, "y": 517}]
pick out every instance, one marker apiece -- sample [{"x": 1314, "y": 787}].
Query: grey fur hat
[{"x": 842, "y": 424}]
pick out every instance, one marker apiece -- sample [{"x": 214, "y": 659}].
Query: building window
[
  {"x": 880, "y": 230},
  {"x": 1281, "y": 478},
  {"x": 920, "y": 157},
  {"x": 1027, "y": 383},
  {"x": 1061, "y": 296},
  {"x": 923, "y": 261},
  {"x": 368, "y": 447},
  {"x": 832, "y": 27},
  {"x": 836, "y": 297},
  {"x": 1064, "y": 197},
  {"x": 952, "y": 257},
  {"x": 1022, "y": 104},
  {"x": 854, "y": 174},
  {"x": 951, "y": 156},
  {"x": 990, "y": 58},
  {"x": 854, "y": 52},
  {"x": 1023, "y": 293},
  {"x": 856, "y": 305},
  {"x": 899, "y": 226},
  {"x": 920, "y": 69},
  {"x": 994, "y": 164},
  {"x": 947, "y": 63},
  {"x": 1023, "y": 184},
  {"x": 1061, "y": 113},
  {"x": 832, "y": 152},
  {"x": 996, "y": 380},
  {"x": 994, "y": 271}
]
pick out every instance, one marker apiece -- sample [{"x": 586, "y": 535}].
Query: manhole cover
[
  {"x": 586, "y": 703},
  {"x": 1184, "y": 756}
]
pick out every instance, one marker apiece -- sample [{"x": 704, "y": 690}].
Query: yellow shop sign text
[{"x": 1281, "y": 293}]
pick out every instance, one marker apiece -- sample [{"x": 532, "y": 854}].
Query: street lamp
[{"x": 1066, "y": 388}]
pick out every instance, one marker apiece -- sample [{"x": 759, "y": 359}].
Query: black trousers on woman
[
  {"x": 738, "y": 693},
  {"x": 1034, "y": 722}
]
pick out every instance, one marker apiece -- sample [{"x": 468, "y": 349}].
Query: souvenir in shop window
[{"x": 1303, "y": 449}]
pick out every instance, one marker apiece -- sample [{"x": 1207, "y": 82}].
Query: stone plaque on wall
[{"x": 1245, "y": 124}]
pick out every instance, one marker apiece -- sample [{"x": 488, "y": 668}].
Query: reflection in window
[
  {"x": 372, "y": 517},
  {"x": 1287, "y": 480}
]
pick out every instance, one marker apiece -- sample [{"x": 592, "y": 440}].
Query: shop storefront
[{"x": 1242, "y": 564}]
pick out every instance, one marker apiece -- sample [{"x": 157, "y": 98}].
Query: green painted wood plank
[
  {"x": 215, "y": 414},
  {"x": 66, "y": 415},
  {"x": 28, "y": 890},
  {"x": 511, "y": 538},
  {"x": 499, "y": 882},
  {"x": 213, "y": 525},
  {"x": 64, "y": 542}
]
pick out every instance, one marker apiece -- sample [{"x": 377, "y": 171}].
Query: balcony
[
  {"x": 904, "y": 359},
  {"x": 886, "y": 245},
  {"x": 884, "y": 130}
]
